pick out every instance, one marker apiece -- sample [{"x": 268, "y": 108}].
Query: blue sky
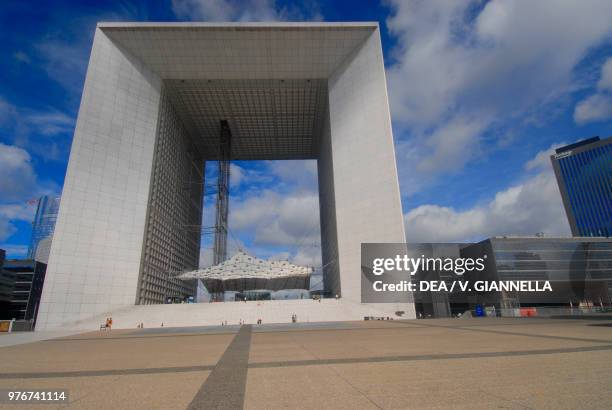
[{"x": 480, "y": 92}]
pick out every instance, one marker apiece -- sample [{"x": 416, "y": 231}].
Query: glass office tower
[
  {"x": 44, "y": 222},
  {"x": 7, "y": 281},
  {"x": 579, "y": 270},
  {"x": 28, "y": 277},
  {"x": 584, "y": 175}
]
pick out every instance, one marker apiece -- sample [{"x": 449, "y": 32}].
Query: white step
[{"x": 214, "y": 314}]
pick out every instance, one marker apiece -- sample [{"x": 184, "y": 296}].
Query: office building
[
  {"x": 579, "y": 270},
  {"x": 6, "y": 285},
  {"x": 436, "y": 304},
  {"x": 28, "y": 278},
  {"x": 43, "y": 227},
  {"x": 153, "y": 102},
  {"x": 584, "y": 175}
]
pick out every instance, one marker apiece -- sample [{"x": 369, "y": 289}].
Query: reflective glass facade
[
  {"x": 584, "y": 174},
  {"x": 579, "y": 269},
  {"x": 44, "y": 222},
  {"x": 28, "y": 277},
  {"x": 7, "y": 281}
]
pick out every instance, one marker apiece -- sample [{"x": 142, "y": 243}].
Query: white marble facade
[{"x": 96, "y": 257}]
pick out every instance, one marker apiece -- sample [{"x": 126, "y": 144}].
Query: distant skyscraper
[
  {"x": 584, "y": 175},
  {"x": 44, "y": 222}
]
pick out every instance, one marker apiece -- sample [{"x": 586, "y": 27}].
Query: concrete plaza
[{"x": 460, "y": 363}]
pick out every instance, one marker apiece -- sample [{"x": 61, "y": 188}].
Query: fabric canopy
[{"x": 243, "y": 272}]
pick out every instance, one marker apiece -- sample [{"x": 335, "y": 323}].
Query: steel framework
[{"x": 225, "y": 149}]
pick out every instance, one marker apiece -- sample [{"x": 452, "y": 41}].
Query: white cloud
[
  {"x": 527, "y": 208},
  {"x": 237, "y": 175},
  {"x": 6, "y": 229},
  {"x": 7, "y": 111},
  {"x": 278, "y": 219},
  {"x": 13, "y": 212},
  {"x": 245, "y": 10},
  {"x": 64, "y": 49},
  {"x": 448, "y": 145},
  {"x": 246, "y": 177},
  {"x": 18, "y": 184},
  {"x": 66, "y": 62},
  {"x": 598, "y": 106},
  {"x": 297, "y": 175},
  {"x": 216, "y": 10},
  {"x": 277, "y": 205},
  {"x": 433, "y": 223},
  {"x": 43, "y": 132},
  {"x": 292, "y": 175},
  {"x": 18, "y": 176},
  {"x": 605, "y": 82},
  {"x": 20, "y": 211},
  {"x": 51, "y": 122},
  {"x": 542, "y": 158},
  {"x": 274, "y": 207},
  {"x": 463, "y": 70},
  {"x": 307, "y": 256},
  {"x": 64, "y": 52}
]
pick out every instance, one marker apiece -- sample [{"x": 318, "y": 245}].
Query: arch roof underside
[{"x": 269, "y": 81}]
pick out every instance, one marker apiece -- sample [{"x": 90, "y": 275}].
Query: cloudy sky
[{"x": 480, "y": 93}]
